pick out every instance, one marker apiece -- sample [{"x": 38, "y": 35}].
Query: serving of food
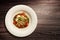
[{"x": 21, "y": 20}]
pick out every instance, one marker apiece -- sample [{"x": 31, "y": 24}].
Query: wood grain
[{"x": 48, "y": 13}]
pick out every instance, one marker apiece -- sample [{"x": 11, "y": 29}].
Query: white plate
[{"x": 24, "y": 31}]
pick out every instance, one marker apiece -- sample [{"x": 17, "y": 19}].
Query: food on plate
[{"x": 21, "y": 20}]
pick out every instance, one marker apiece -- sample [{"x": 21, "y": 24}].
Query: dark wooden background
[{"x": 48, "y": 13}]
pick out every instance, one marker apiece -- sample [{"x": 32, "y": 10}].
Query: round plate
[{"x": 21, "y": 32}]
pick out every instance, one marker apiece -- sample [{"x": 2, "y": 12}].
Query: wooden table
[{"x": 48, "y": 13}]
